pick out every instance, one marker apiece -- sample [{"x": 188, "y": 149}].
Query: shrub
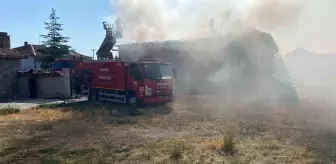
[
  {"x": 228, "y": 146},
  {"x": 176, "y": 148},
  {"x": 9, "y": 110}
]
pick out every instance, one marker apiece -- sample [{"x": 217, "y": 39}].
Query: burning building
[{"x": 245, "y": 64}]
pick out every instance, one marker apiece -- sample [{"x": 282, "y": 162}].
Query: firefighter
[
  {"x": 32, "y": 84},
  {"x": 78, "y": 83}
]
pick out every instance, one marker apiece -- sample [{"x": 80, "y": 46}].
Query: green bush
[{"x": 9, "y": 110}]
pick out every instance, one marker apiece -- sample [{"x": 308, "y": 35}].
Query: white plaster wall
[{"x": 27, "y": 64}]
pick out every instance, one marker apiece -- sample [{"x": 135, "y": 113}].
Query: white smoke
[{"x": 148, "y": 20}]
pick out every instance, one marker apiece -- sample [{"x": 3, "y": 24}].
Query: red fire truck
[{"x": 135, "y": 83}]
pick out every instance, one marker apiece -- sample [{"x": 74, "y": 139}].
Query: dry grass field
[{"x": 199, "y": 131}]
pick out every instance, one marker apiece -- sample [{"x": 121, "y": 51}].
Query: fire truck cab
[{"x": 136, "y": 83}]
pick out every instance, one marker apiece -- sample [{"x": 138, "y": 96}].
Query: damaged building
[{"x": 246, "y": 64}]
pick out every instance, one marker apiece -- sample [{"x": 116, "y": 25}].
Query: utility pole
[{"x": 93, "y": 52}]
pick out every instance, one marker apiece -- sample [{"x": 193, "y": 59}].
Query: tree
[{"x": 55, "y": 44}]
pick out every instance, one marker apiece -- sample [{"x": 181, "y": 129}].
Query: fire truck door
[{"x": 134, "y": 77}]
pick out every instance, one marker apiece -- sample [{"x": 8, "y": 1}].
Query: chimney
[
  {"x": 4, "y": 40},
  {"x": 26, "y": 44}
]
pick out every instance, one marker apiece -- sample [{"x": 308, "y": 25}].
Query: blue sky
[{"x": 82, "y": 20}]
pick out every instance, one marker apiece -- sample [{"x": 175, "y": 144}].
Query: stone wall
[{"x": 8, "y": 69}]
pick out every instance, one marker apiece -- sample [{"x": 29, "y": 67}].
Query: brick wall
[{"x": 8, "y": 69}]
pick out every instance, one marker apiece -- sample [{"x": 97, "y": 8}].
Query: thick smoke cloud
[
  {"x": 293, "y": 23},
  {"x": 272, "y": 14},
  {"x": 148, "y": 20}
]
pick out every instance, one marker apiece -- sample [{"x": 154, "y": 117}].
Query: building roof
[
  {"x": 6, "y": 53},
  {"x": 27, "y": 50}
]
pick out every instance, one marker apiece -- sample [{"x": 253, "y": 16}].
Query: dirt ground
[{"x": 189, "y": 131}]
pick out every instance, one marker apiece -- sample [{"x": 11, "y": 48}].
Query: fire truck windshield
[
  {"x": 156, "y": 71},
  {"x": 63, "y": 64}
]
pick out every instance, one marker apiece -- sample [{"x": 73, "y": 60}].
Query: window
[
  {"x": 158, "y": 71},
  {"x": 134, "y": 71},
  {"x": 133, "y": 68}
]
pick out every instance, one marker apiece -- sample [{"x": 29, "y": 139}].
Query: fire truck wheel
[
  {"x": 132, "y": 101},
  {"x": 92, "y": 95}
]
